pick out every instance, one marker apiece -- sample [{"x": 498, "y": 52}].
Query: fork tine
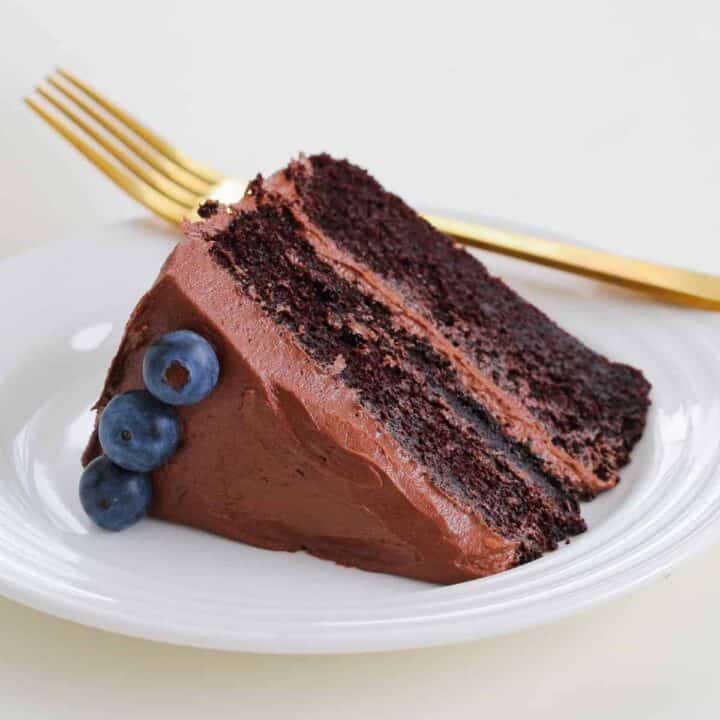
[
  {"x": 159, "y": 162},
  {"x": 150, "y": 176},
  {"x": 145, "y": 133},
  {"x": 143, "y": 193}
]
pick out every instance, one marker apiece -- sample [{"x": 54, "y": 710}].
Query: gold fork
[{"x": 172, "y": 185}]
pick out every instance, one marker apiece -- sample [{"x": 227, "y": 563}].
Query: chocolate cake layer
[{"x": 594, "y": 409}]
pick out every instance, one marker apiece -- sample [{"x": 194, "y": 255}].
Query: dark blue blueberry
[
  {"x": 112, "y": 497},
  {"x": 181, "y": 368},
  {"x": 138, "y": 432}
]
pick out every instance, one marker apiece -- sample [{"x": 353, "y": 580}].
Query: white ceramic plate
[{"x": 63, "y": 309}]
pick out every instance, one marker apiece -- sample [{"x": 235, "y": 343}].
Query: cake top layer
[{"x": 594, "y": 409}]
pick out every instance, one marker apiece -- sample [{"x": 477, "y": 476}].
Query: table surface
[{"x": 597, "y": 121}]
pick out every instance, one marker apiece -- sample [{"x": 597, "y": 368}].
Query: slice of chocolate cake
[{"x": 382, "y": 401}]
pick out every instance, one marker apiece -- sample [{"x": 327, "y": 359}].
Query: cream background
[{"x": 597, "y": 120}]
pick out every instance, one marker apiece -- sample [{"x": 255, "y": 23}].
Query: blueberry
[
  {"x": 181, "y": 368},
  {"x": 112, "y": 497},
  {"x": 138, "y": 432}
]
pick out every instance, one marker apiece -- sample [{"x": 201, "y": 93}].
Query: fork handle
[{"x": 674, "y": 284}]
